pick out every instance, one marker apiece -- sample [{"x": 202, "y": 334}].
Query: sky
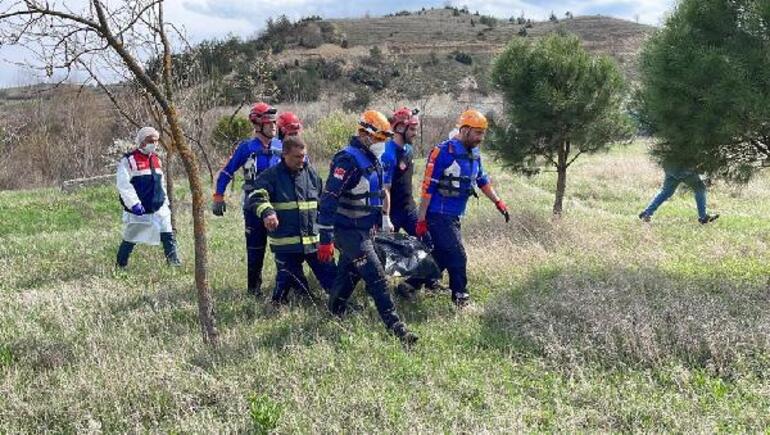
[{"x": 208, "y": 19}]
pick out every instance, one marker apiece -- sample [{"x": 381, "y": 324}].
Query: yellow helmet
[
  {"x": 472, "y": 118},
  {"x": 376, "y": 124}
]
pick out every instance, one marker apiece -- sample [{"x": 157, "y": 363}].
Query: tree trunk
[
  {"x": 169, "y": 175},
  {"x": 205, "y": 302},
  {"x": 561, "y": 177}
]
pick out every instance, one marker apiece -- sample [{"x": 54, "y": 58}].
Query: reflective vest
[
  {"x": 365, "y": 198},
  {"x": 458, "y": 179}
]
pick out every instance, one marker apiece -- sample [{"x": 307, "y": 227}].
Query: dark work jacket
[{"x": 293, "y": 197}]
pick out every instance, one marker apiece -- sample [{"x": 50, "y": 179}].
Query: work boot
[
  {"x": 708, "y": 218},
  {"x": 169, "y": 249},
  {"x": 406, "y": 291},
  {"x": 435, "y": 286},
  {"x": 255, "y": 292},
  {"x": 645, "y": 217},
  {"x": 406, "y": 336},
  {"x": 124, "y": 251},
  {"x": 461, "y": 299}
]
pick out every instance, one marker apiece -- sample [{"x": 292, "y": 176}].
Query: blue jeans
[
  {"x": 448, "y": 249},
  {"x": 289, "y": 273},
  {"x": 358, "y": 260},
  {"x": 672, "y": 179}
]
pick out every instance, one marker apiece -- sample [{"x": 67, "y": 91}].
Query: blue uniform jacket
[
  {"x": 251, "y": 156},
  {"x": 451, "y": 175},
  {"x": 351, "y": 180}
]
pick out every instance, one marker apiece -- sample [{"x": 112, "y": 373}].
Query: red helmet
[
  {"x": 262, "y": 113},
  {"x": 288, "y": 123},
  {"x": 404, "y": 116}
]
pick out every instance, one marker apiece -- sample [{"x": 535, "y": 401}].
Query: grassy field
[{"x": 597, "y": 322}]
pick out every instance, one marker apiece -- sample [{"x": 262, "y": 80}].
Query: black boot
[
  {"x": 406, "y": 336},
  {"x": 124, "y": 251},
  {"x": 169, "y": 248}
]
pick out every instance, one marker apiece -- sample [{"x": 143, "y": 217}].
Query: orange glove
[
  {"x": 500, "y": 204},
  {"x": 422, "y": 228},
  {"x": 326, "y": 252}
]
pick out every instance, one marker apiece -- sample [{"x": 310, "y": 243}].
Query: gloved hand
[
  {"x": 138, "y": 209},
  {"x": 500, "y": 204},
  {"x": 219, "y": 207},
  {"x": 387, "y": 225},
  {"x": 326, "y": 252},
  {"x": 422, "y": 228}
]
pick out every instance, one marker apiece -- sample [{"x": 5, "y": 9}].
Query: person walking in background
[
  {"x": 674, "y": 175},
  {"x": 142, "y": 192}
]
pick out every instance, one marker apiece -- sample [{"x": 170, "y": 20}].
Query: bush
[
  {"x": 229, "y": 131},
  {"x": 298, "y": 84},
  {"x": 488, "y": 21},
  {"x": 310, "y": 36},
  {"x": 463, "y": 58},
  {"x": 362, "y": 95},
  {"x": 330, "y": 134},
  {"x": 375, "y": 78},
  {"x": 264, "y": 413}
]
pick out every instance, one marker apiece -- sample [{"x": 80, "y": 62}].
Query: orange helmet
[
  {"x": 262, "y": 113},
  {"x": 472, "y": 118},
  {"x": 288, "y": 123},
  {"x": 376, "y": 124},
  {"x": 404, "y": 116}
]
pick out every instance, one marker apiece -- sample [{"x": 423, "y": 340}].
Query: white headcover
[{"x": 142, "y": 134}]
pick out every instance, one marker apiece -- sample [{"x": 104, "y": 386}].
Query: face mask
[
  {"x": 148, "y": 148},
  {"x": 377, "y": 148}
]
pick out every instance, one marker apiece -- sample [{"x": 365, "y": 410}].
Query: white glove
[{"x": 387, "y": 225}]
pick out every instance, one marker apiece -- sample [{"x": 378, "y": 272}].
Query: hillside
[
  {"x": 596, "y": 323},
  {"x": 424, "y": 43}
]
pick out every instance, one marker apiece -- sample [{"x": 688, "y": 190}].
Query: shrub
[
  {"x": 463, "y": 58},
  {"x": 264, "y": 413},
  {"x": 362, "y": 95},
  {"x": 228, "y": 131},
  {"x": 330, "y": 134}
]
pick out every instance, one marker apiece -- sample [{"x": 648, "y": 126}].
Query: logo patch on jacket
[
  {"x": 339, "y": 173},
  {"x": 402, "y": 165}
]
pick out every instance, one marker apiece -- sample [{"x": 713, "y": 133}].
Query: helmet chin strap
[{"x": 262, "y": 131}]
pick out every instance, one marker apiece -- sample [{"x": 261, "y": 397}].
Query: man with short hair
[
  {"x": 146, "y": 215},
  {"x": 400, "y": 210},
  {"x": 252, "y": 156},
  {"x": 452, "y": 173},
  {"x": 285, "y": 197},
  {"x": 350, "y": 212}
]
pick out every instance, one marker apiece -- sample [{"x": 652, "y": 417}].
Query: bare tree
[{"x": 112, "y": 42}]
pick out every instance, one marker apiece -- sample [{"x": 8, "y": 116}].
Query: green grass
[{"x": 592, "y": 323}]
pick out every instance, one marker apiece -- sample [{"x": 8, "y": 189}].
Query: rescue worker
[
  {"x": 452, "y": 172},
  {"x": 142, "y": 192},
  {"x": 253, "y": 156},
  {"x": 349, "y": 213},
  {"x": 399, "y": 209},
  {"x": 285, "y": 197}
]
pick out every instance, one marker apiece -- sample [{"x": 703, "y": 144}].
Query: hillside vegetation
[{"x": 596, "y": 322}]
